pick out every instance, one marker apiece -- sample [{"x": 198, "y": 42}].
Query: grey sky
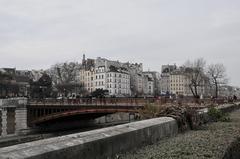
[{"x": 38, "y": 33}]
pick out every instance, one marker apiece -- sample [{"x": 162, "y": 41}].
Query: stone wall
[
  {"x": 98, "y": 144},
  {"x": 13, "y": 116}
]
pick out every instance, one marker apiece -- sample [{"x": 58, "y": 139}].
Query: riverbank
[{"x": 210, "y": 141}]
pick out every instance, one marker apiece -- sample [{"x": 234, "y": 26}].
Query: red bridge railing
[{"x": 130, "y": 101}]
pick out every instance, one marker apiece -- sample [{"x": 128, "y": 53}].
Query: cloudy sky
[{"x": 35, "y": 34}]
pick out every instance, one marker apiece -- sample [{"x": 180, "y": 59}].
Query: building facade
[
  {"x": 118, "y": 82},
  {"x": 112, "y": 76},
  {"x": 181, "y": 84},
  {"x": 165, "y": 78},
  {"x": 155, "y": 78}
]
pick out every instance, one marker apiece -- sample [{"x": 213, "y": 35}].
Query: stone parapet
[{"x": 100, "y": 144}]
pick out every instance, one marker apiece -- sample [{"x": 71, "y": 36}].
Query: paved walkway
[{"x": 211, "y": 141}]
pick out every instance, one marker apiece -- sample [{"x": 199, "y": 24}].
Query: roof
[{"x": 118, "y": 69}]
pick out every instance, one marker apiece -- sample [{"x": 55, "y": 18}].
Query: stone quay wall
[
  {"x": 13, "y": 116},
  {"x": 97, "y": 144}
]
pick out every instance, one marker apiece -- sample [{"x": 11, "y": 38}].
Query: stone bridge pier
[{"x": 13, "y": 116}]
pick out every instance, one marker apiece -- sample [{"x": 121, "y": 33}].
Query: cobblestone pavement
[{"x": 210, "y": 141}]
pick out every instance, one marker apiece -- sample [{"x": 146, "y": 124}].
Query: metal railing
[{"x": 131, "y": 101}]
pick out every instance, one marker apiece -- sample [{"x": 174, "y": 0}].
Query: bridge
[{"x": 47, "y": 111}]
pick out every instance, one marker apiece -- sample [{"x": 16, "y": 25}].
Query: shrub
[
  {"x": 186, "y": 117},
  {"x": 217, "y": 115}
]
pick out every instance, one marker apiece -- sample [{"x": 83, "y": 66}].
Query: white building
[
  {"x": 100, "y": 77},
  {"x": 112, "y": 76},
  {"x": 118, "y": 82}
]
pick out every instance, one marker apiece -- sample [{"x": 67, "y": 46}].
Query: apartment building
[
  {"x": 180, "y": 82},
  {"x": 118, "y": 81},
  {"x": 100, "y": 77},
  {"x": 148, "y": 86},
  {"x": 165, "y": 78},
  {"x": 112, "y": 76},
  {"x": 118, "y": 78},
  {"x": 154, "y": 77},
  {"x": 87, "y": 78},
  {"x": 86, "y": 74}
]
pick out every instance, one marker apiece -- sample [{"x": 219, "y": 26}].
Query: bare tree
[
  {"x": 217, "y": 76},
  {"x": 64, "y": 77},
  {"x": 63, "y": 73},
  {"x": 195, "y": 73}
]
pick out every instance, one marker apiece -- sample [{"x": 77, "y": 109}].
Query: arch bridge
[{"x": 46, "y": 111}]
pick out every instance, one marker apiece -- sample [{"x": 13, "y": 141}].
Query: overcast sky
[{"x": 35, "y": 34}]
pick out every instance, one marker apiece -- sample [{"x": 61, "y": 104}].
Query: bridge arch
[{"x": 86, "y": 113}]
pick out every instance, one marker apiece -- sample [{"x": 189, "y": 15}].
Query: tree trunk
[
  {"x": 216, "y": 93},
  {"x": 192, "y": 91},
  {"x": 216, "y": 89},
  {"x": 196, "y": 92}
]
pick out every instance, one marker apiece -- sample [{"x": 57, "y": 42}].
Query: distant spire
[
  {"x": 84, "y": 57},
  {"x": 84, "y": 60}
]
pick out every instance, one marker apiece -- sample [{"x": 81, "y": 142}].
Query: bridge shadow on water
[
  {"x": 83, "y": 122},
  {"x": 68, "y": 123}
]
